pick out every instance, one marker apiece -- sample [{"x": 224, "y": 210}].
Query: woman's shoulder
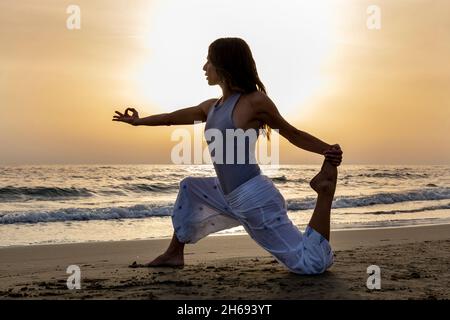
[
  {"x": 257, "y": 96},
  {"x": 259, "y": 99},
  {"x": 207, "y": 104}
]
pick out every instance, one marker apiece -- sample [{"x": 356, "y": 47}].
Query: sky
[{"x": 382, "y": 94}]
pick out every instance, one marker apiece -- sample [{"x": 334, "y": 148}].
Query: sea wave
[
  {"x": 83, "y": 214},
  {"x": 369, "y": 200},
  {"x": 428, "y": 208},
  {"x": 41, "y": 193},
  {"x": 391, "y": 175},
  {"x": 154, "y": 187},
  {"x": 283, "y": 179},
  {"x": 165, "y": 209},
  {"x": 10, "y": 193}
]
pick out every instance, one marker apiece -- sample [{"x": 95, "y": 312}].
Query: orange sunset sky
[{"x": 383, "y": 95}]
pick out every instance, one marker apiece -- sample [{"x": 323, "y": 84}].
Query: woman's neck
[{"x": 226, "y": 93}]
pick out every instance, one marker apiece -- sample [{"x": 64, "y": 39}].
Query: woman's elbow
[{"x": 167, "y": 119}]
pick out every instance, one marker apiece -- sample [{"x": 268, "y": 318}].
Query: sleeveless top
[{"x": 232, "y": 150}]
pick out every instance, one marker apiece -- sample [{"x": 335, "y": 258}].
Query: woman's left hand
[
  {"x": 125, "y": 117},
  {"x": 334, "y": 155}
]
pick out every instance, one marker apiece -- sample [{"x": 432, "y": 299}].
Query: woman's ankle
[{"x": 175, "y": 251}]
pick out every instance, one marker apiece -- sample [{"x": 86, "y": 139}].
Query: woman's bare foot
[
  {"x": 164, "y": 260},
  {"x": 325, "y": 181}
]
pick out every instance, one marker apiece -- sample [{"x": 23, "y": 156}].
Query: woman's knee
[
  {"x": 311, "y": 263},
  {"x": 317, "y": 265}
]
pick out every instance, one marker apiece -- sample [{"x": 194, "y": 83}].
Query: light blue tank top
[{"x": 231, "y": 172}]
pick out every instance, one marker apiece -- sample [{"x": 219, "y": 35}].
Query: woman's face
[{"x": 210, "y": 73}]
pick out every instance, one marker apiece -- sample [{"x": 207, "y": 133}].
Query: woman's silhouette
[{"x": 240, "y": 194}]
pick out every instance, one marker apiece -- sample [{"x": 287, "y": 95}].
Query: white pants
[{"x": 202, "y": 208}]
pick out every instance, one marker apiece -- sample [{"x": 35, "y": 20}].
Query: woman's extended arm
[
  {"x": 267, "y": 112},
  {"x": 181, "y": 116}
]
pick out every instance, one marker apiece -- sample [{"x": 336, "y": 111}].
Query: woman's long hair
[{"x": 235, "y": 65}]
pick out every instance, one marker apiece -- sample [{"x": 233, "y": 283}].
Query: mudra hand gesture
[{"x": 125, "y": 117}]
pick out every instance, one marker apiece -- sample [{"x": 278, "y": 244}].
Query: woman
[{"x": 240, "y": 194}]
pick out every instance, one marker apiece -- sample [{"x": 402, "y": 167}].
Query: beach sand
[{"x": 414, "y": 263}]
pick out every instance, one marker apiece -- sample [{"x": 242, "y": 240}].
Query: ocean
[{"x": 52, "y": 204}]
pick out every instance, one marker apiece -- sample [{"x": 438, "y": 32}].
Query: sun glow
[{"x": 290, "y": 41}]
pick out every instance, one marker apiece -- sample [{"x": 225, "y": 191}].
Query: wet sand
[{"x": 414, "y": 263}]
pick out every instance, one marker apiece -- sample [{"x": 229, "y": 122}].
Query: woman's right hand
[
  {"x": 125, "y": 117},
  {"x": 334, "y": 154}
]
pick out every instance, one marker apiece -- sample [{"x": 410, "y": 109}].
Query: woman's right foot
[
  {"x": 164, "y": 260},
  {"x": 325, "y": 181}
]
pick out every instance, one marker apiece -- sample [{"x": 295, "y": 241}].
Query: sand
[{"x": 414, "y": 264}]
